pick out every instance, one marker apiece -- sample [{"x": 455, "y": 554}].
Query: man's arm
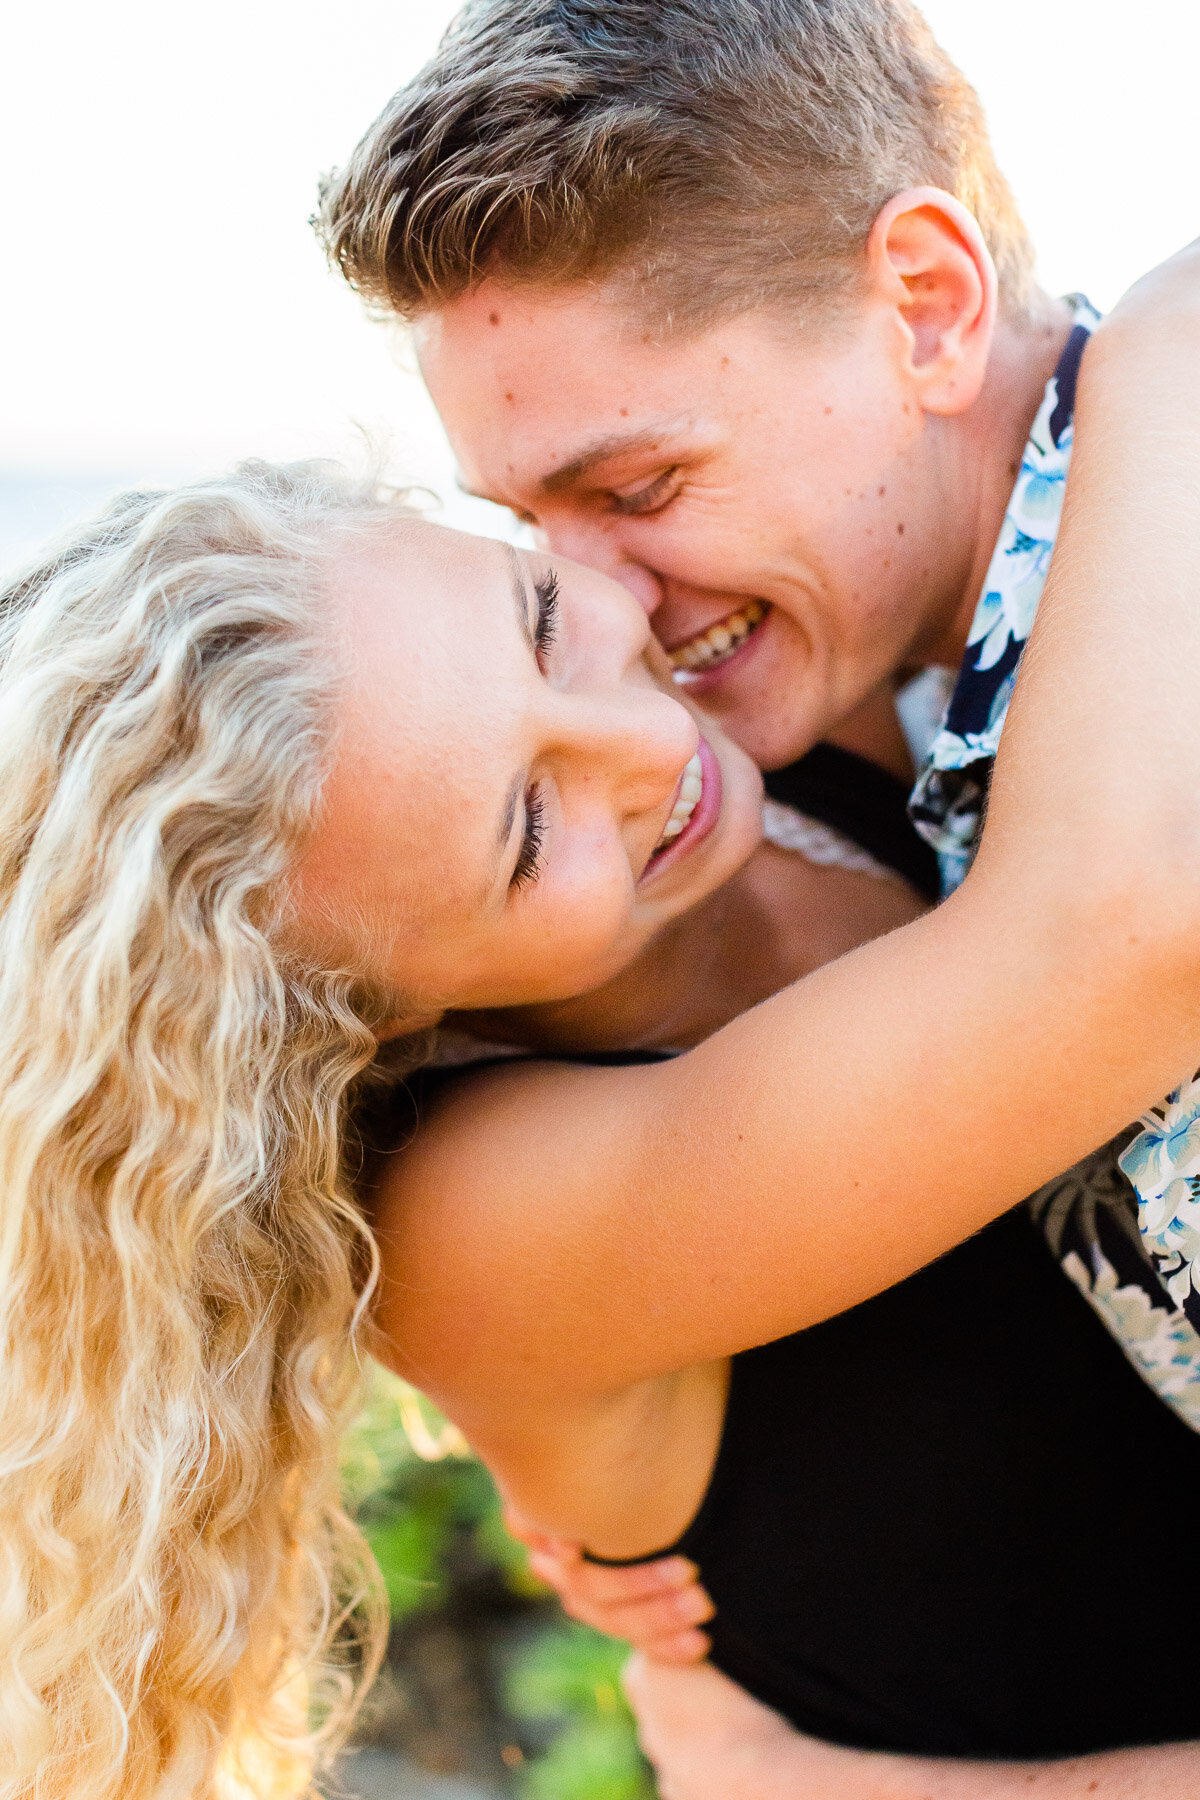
[{"x": 708, "y": 1740}]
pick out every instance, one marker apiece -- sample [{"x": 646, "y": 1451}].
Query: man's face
[{"x": 783, "y": 508}]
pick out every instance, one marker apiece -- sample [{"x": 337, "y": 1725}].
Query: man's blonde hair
[{"x": 709, "y": 156}]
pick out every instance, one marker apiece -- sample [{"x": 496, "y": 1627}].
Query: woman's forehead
[{"x": 427, "y": 733}]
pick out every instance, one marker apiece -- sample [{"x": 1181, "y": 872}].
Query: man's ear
[{"x": 927, "y": 260}]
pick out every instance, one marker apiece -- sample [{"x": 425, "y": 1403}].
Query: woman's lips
[{"x": 704, "y": 816}]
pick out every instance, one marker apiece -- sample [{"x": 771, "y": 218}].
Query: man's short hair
[{"x": 708, "y": 156}]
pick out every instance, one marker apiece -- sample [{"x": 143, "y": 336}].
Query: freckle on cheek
[
  {"x": 624, "y": 412},
  {"x": 493, "y": 318},
  {"x": 509, "y": 398},
  {"x": 829, "y": 412},
  {"x": 899, "y": 531}
]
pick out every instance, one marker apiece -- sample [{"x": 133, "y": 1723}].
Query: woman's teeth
[
  {"x": 720, "y": 641},
  {"x": 690, "y": 790}
]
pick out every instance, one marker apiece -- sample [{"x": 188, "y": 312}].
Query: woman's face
[{"x": 512, "y": 808}]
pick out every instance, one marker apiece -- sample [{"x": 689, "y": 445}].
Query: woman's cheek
[{"x": 586, "y": 937}]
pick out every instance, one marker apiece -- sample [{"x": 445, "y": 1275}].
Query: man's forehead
[{"x": 570, "y": 361}]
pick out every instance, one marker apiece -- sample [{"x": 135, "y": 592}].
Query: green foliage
[
  {"x": 573, "y": 1676},
  {"x": 417, "y": 1514},
  {"x": 412, "y": 1509}
]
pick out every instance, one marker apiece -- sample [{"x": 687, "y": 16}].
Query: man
[{"x": 729, "y": 299}]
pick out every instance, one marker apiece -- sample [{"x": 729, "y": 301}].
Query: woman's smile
[{"x": 696, "y": 810}]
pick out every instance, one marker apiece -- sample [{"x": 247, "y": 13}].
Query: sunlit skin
[
  {"x": 454, "y": 724},
  {"x": 854, "y": 479}
]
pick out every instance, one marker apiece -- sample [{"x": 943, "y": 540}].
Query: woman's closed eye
[
  {"x": 529, "y": 857},
  {"x": 545, "y": 590},
  {"x": 650, "y": 498}
]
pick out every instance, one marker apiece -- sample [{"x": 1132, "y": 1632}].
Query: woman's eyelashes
[
  {"x": 649, "y": 499},
  {"x": 545, "y": 590},
  {"x": 529, "y": 857}
]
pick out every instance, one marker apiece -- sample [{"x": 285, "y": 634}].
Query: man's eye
[{"x": 649, "y": 499}]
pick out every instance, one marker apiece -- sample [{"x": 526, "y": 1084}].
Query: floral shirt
[{"x": 1125, "y": 1223}]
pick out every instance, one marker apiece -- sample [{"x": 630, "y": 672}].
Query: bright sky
[{"x": 165, "y": 308}]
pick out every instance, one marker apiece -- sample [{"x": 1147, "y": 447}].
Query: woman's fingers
[{"x": 658, "y": 1607}]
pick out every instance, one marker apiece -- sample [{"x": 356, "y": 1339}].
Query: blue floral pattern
[
  {"x": 1163, "y": 1167},
  {"x": 1145, "y": 1284},
  {"x": 947, "y": 803}
]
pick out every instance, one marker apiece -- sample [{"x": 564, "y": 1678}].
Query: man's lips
[{"x": 703, "y": 817}]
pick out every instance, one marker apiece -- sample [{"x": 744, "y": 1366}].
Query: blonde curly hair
[{"x": 185, "y": 1609}]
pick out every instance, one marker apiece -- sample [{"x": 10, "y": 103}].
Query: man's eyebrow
[{"x": 601, "y": 450}]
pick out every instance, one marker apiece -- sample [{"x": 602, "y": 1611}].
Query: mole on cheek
[
  {"x": 899, "y": 531},
  {"x": 510, "y": 400},
  {"x": 493, "y": 318}
]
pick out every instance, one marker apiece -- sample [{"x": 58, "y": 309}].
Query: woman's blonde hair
[{"x": 185, "y": 1610}]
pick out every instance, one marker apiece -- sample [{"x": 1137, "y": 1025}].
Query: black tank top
[{"x": 933, "y": 1522}]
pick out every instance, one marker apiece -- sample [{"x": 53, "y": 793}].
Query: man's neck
[{"x": 991, "y": 445}]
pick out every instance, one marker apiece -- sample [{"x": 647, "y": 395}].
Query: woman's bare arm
[{"x": 560, "y": 1241}]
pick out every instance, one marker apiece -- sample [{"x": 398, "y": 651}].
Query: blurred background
[{"x": 164, "y": 309}]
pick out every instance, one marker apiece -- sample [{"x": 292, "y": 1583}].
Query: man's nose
[{"x": 599, "y": 548}]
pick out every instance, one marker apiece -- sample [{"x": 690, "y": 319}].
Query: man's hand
[
  {"x": 657, "y": 1607},
  {"x": 708, "y": 1740}
]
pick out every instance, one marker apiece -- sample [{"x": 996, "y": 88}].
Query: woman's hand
[{"x": 658, "y": 1607}]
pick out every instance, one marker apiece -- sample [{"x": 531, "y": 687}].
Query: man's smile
[{"x": 717, "y": 643}]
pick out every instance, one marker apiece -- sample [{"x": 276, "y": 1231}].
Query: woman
[{"x": 282, "y": 776}]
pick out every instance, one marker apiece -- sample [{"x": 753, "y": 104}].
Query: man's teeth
[
  {"x": 690, "y": 790},
  {"x": 720, "y": 640}
]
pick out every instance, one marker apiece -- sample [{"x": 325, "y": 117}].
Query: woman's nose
[{"x": 636, "y": 740}]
